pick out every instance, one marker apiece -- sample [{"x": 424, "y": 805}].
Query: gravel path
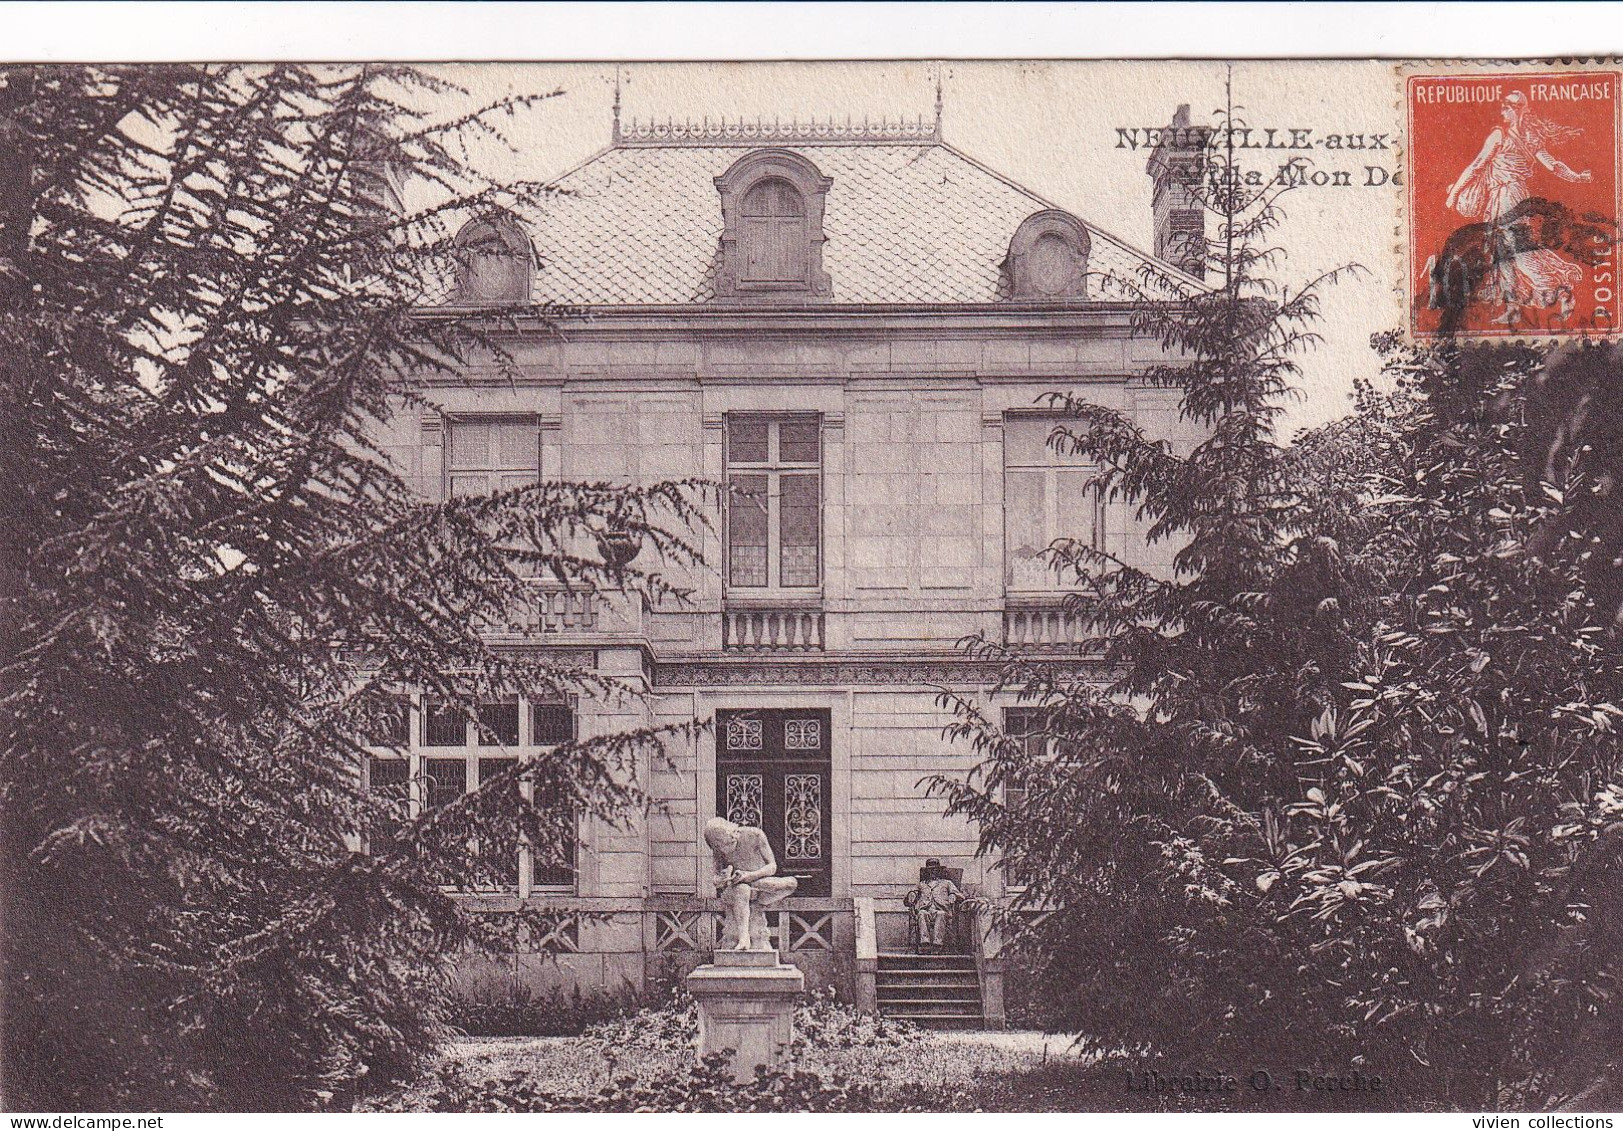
[{"x": 1050, "y": 1046}]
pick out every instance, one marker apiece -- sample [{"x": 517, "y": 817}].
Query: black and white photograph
[{"x": 881, "y": 585}]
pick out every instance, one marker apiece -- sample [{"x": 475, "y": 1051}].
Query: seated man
[
  {"x": 933, "y": 900},
  {"x": 746, "y": 881}
]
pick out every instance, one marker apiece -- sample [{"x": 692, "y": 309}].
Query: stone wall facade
[{"x": 917, "y": 411}]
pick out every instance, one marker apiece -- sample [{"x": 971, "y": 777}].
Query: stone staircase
[{"x": 937, "y": 991}]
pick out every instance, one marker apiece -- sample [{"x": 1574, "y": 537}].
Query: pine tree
[
  {"x": 216, "y": 585},
  {"x": 1347, "y": 793},
  {"x": 1118, "y": 815}
]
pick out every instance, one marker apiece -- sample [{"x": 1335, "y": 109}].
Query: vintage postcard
[{"x": 916, "y": 586}]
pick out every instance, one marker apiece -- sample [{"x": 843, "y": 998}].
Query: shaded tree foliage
[
  {"x": 216, "y": 585},
  {"x": 1343, "y": 790}
]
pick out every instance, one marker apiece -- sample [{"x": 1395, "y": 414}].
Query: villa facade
[{"x": 852, "y": 327}]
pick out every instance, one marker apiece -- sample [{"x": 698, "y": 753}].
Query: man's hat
[{"x": 932, "y": 863}]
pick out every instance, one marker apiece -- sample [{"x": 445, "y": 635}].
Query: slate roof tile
[{"x": 905, "y": 223}]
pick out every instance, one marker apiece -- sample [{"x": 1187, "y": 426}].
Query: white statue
[{"x": 747, "y": 881}]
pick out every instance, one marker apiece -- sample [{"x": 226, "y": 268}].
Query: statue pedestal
[{"x": 747, "y": 1004}]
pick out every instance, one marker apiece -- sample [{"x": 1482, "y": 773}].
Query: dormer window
[
  {"x": 774, "y": 234},
  {"x": 772, "y": 228},
  {"x": 1048, "y": 257},
  {"x": 493, "y": 262}
]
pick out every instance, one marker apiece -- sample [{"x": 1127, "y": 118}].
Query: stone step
[
  {"x": 938, "y": 991},
  {"x": 967, "y": 1021},
  {"x": 927, "y": 961},
  {"x": 897, "y": 1007},
  {"x": 927, "y": 982},
  {"x": 929, "y": 993},
  {"x": 933, "y": 1011}
]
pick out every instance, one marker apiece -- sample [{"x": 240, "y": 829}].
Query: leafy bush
[
  {"x": 822, "y": 1022},
  {"x": 649, "y": 1061},
  {"x": 671, "y": 1025},
  {"x": 1351, "y": 796},
  {"x": 704, "y": 1087},
  {"x": 1028, "y": 1001},
  {"x": 492, "y": 1008}
]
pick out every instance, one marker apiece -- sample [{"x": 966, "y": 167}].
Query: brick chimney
[
  {"x": 1175, "y": 167},
  {"x": 380, "y": 186},
  {"x": 377, "y": 172}
]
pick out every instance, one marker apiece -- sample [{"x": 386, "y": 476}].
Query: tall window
[
  {"x": 1045, "y": 497},
  {"x": 774, "y": 234},
  {"x": 1025, "y": 725},
  {"x": 451, "y": 757},
  {"x": 490, "y": 455},
  {"x": 389, "y": 771},
  {"x": 774, "y": 503}
]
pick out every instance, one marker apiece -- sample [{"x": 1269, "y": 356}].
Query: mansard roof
[{"x": 909, "y": 219}]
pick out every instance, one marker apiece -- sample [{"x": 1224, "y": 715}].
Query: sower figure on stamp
[
  {"x": 747, "y": 882},
  {"x": 933, "y": 900},
  {"x": 1490, "y": 189}
]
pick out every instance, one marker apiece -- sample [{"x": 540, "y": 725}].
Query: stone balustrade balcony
[
  {"x": 771, "y": 628},
  {"x": 1044, "y": 624},
  {"x": 557, "y": 610}
]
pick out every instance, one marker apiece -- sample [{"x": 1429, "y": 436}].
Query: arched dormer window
[
  {"x": 774, "y": 234},
  {"x": 493, "y": 262},
  {"x": 772, "y": 228},
  {"x": 1048, "y": 257}
]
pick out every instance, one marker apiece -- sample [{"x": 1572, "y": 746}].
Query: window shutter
[
  {"x": 774, "y": 231},
  {"x": 493, "y": 455},
  {"x": 1076, "y": 511},
  {"x": 470, "y": 446},
  {"x": 1045, "y": 497},
  {"x": 757, "y": 248},
  {"x": 788, "y": 249},
  {"x": 516, "y": 444}
]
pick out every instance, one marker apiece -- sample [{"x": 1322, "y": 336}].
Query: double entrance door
[{"x": 772, "y": 771}]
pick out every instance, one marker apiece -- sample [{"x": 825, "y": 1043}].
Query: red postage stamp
[{"x": 1513, "y": 204}]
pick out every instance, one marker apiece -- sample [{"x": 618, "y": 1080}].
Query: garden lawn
[
  {"x": 1019, "y": 1071},
  {"x": 951, "y": 1068}
]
